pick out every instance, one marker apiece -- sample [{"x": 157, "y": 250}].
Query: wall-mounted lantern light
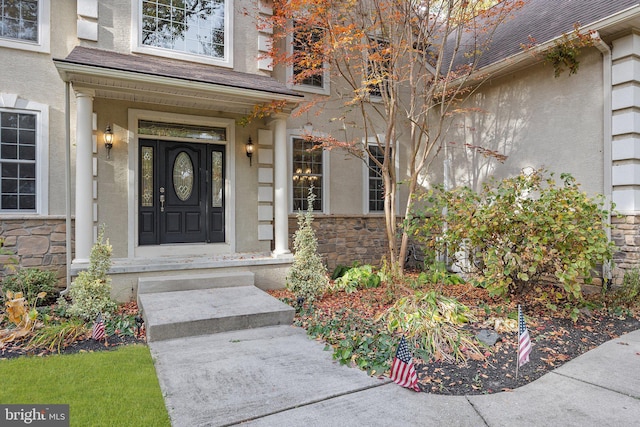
[
  {"x": 108, "y": 140},
  {"x": 249, "y": 149}
]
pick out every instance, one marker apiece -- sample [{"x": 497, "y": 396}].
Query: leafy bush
[
  {"x": 357, "y": 278},
  {"x": 434, "y": 322},
  {"x": 629, "y": 292},
  {"x": 518, "y": 232},
  {"x": 437, "y": 274},
  {"x": 307, "y": 277},
  {"x": 91, "y": 291},
  {"x": 355, "y": 339},
  {"x": 22, "y": 314},
  {"x": 31, "y": 282}
]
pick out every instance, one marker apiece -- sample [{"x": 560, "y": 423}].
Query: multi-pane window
[
  {"x": 376, "y": 183},
  {"x": 378, "y": 67},
  {"x": 19, "y": 20},
  {"x": 307, "y": 173},
  {"x": 308, "y": 70},
  {"x": 17, "y": 161},
  {"x": 188, "y": 26}
]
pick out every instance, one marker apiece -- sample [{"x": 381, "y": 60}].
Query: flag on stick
[
  {"x": 524, "y": 342},
  {"x": 402, "y": 370},
  {"x": 98, "y": 329}
]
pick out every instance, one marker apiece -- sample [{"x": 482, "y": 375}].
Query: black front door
[{"x": 181, "y": 192}]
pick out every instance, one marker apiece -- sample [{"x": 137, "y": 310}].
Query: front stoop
[{"x": 206, "y": 305}]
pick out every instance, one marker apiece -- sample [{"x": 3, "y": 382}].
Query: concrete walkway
[{"x": 276, "y": 376}]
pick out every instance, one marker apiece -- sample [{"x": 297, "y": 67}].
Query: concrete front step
[
  {"x": 187, "y": 282},
  {"x": 177, "y": 314}
]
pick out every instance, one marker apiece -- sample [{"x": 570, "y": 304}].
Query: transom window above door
[{"x": 185, "y": 29}]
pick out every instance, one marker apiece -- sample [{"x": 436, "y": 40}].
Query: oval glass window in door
[{"x": 183, "y": 176}]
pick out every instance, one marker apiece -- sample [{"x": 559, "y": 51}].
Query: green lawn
[{"x": 108, "y": 388}]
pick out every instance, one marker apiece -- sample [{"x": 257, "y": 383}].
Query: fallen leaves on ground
[{"x": 555, "y": 340}]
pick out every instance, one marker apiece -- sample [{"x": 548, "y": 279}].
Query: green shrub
[
  {"x": 628, "y": 294},
  {"x": 357, "y": 278},
  {"x": 518, "y": 232},
  {"x": 31, "y": 282},
  {"x": 307, "y": 277},
  {"x": 353, "y": 338},
  {"x": 91, "y": 291}
]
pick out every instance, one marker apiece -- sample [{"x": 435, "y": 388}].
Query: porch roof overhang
[{"x": 153, "y": 80}]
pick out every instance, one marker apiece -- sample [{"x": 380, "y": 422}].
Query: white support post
[
  {"x": 84, "y": 176},
  {"x": 281, "y": 190}
]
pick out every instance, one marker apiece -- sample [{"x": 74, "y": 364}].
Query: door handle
[{"x": 161, "y": 199}]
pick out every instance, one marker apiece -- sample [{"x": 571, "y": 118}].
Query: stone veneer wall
[
  {"x": 36, "y": 242},
  {"x": 625, "y": 233},
  {"x": 343, "y": 239}
]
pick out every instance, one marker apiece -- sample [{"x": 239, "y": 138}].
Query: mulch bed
[
  {"x": 86, "y": 344},
  {"x": 555, "y": 340}
]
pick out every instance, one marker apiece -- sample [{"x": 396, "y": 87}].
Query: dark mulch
[
  {"x": 13, "y": 350},
  {"x": 85, "y": 344},
  {"x": 554, "y": 341}
]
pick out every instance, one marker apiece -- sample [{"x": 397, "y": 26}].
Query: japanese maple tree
[{"x": 399, "y": 70}]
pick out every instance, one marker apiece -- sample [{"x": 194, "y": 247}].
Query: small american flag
[
  {"x": 524, "y": 342},
  {"x": 402, "y": 370},
  {"x": 98, "y": 329}
]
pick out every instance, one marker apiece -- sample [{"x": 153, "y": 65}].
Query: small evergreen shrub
[
  {"x": 519, "y": 231},
  {"x": 307, "y": 277},
  {"x": 91, "y": 291},
  {"x": 31, "y": 282}
]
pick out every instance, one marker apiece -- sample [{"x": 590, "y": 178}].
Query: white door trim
[{"x": 134, "y": 250}]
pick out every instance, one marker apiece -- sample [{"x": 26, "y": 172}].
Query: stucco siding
[{"x": 536, "y": 120}]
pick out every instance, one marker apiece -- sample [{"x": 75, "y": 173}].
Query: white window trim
[
  {"x": 372, "y": 140},
  {"x": 374, "y": 99},
  {"x": 44, "y": 32},
  {"x": 229, "y": 245},
  {"x": 11, "y": 103},
  {"x": 301, "y": 134},
  {"x": 136, "y": 36},
  {"x": 326, "y": 84}
]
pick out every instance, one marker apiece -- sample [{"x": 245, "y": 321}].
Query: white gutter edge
[
  {"x": 65, "y": 68},
  {"x": 519, "y": 57},
  {"x": 607, "y": 112},
  {"x": 67, "y": 159}
]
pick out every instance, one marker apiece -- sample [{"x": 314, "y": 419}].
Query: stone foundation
[
  {"x": 343, "y": 239},
  {"x": 36, "y": 242},
  {"x": 625, "y": 233}
]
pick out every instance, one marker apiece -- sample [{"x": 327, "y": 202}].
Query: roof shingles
[{"x": 182, "y": 70}]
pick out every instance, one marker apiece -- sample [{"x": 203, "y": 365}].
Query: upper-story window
[
  {"x": 378, "y": 67},
  {"x": 194, "y": 30},
  {"x": 24, "y": 24},
  {"x": 309, "y": 72}
]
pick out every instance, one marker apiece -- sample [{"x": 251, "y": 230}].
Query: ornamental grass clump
[
  {"x": 307, "y": 278},
  {"x": 434, "y": 322}
]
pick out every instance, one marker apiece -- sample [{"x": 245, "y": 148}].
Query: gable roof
[{"x": 545, "y": 20}]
